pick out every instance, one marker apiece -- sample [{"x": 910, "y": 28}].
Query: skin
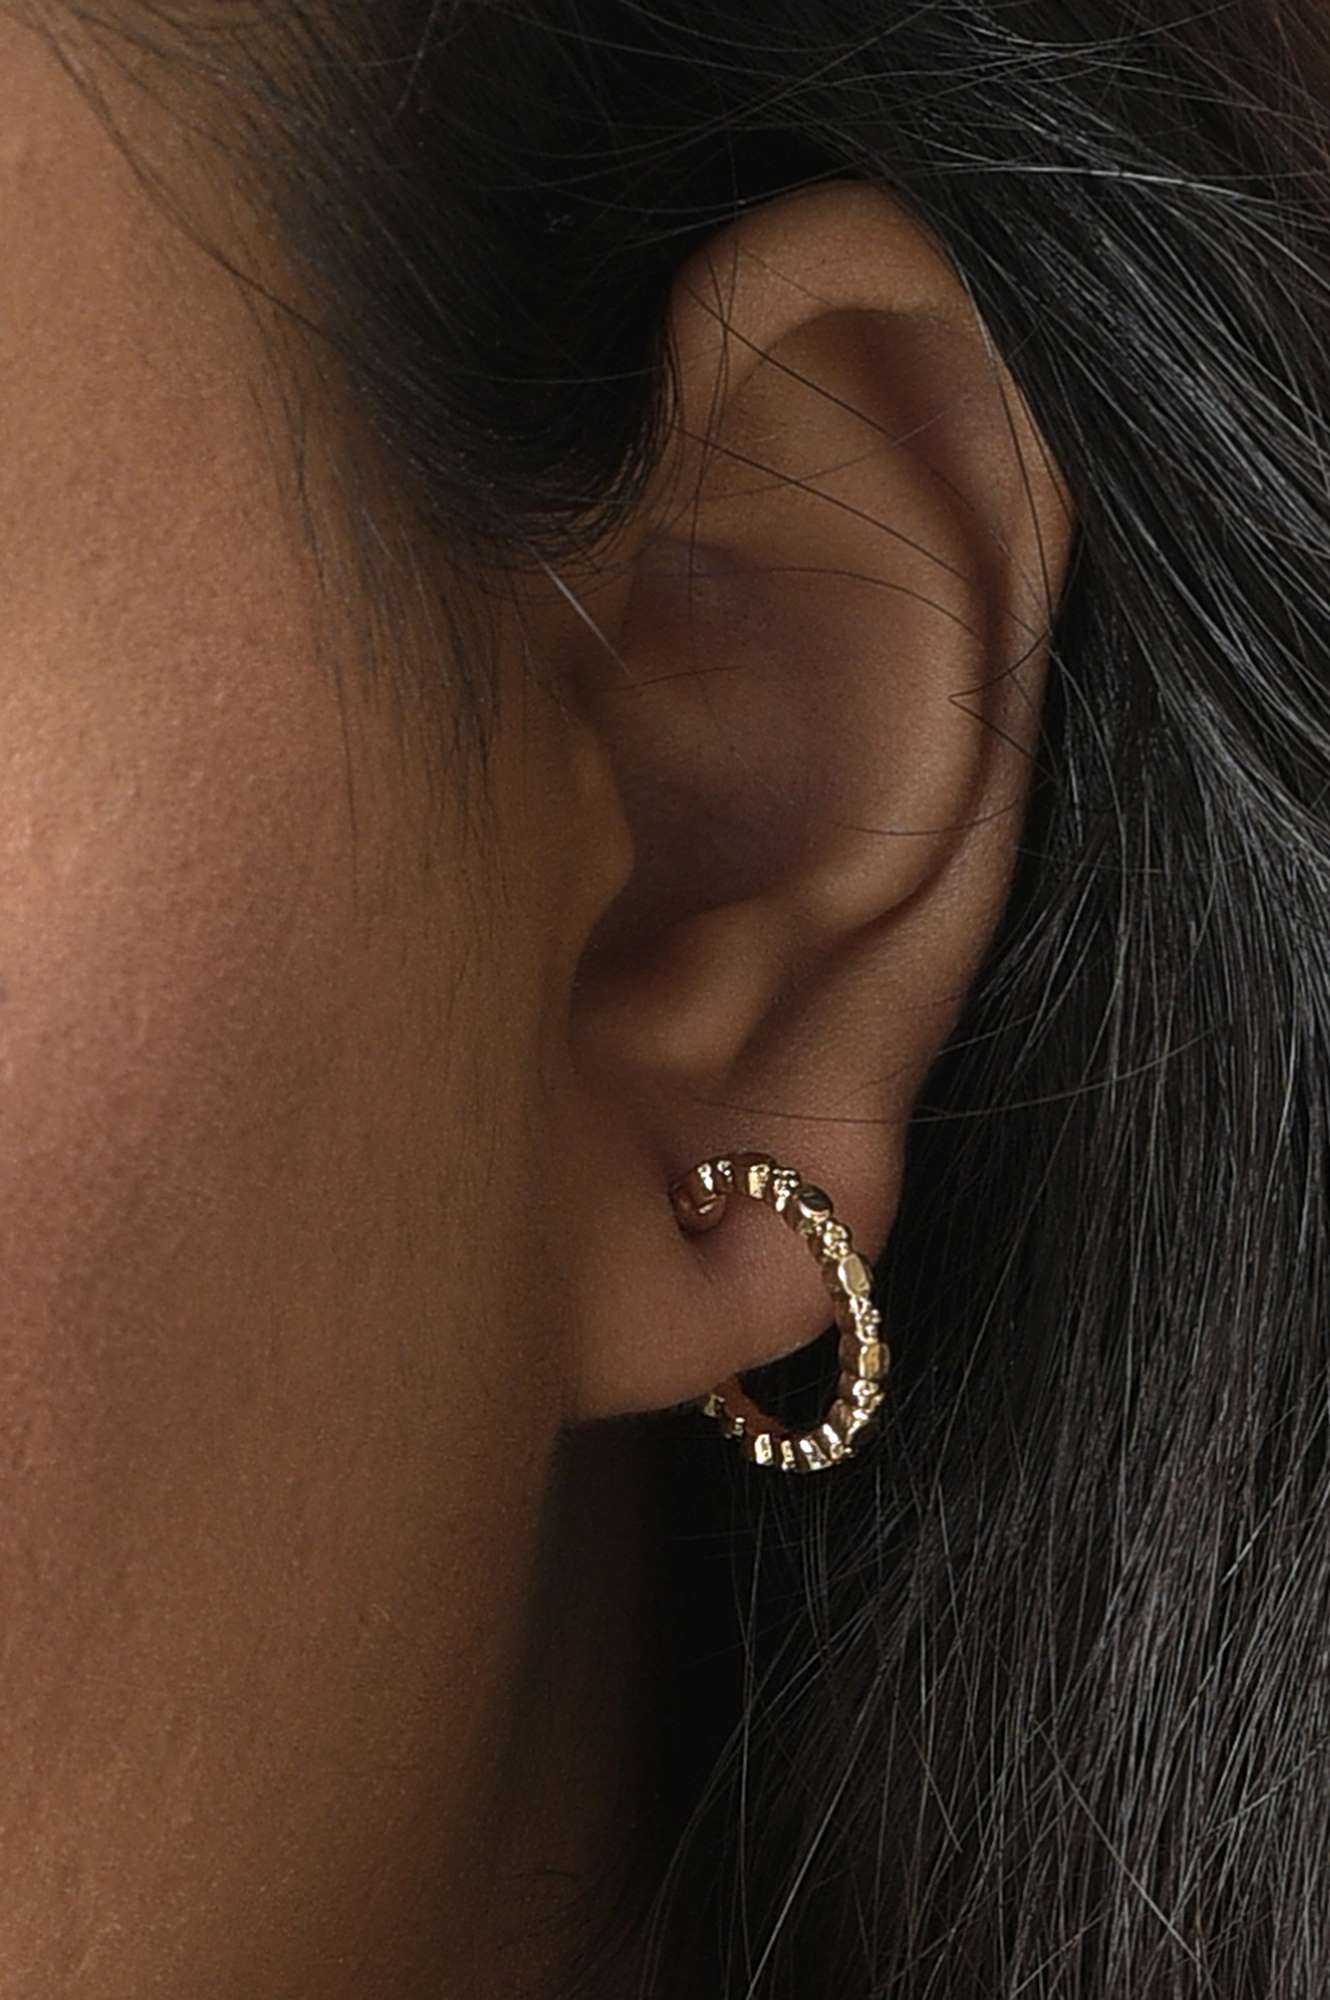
[{"x": 335, "y": 1239}]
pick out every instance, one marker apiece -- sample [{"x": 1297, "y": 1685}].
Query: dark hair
[{"x": 1033, "y": 1698}]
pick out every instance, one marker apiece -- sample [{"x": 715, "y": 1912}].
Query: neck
[
  {"x": 526, "y": 1865},
  {"x": 583, "y": 1816},
  {"x": 589, "y": 1791}
]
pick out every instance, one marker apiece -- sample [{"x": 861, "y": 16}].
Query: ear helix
[{"x": 700, "y": 1199}]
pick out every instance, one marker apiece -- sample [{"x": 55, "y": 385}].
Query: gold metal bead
[
  {"x": 700, "y": 1199},
  {"x": 857, "y": 1315},
  {"x": 833, "y": 1242},
  {"x": 832, "y": 1441},
  {"x": 809, "y": 1211},
  {"x": 752, "y": 1174},
  {"x": 865, "y": 1394},
  {"x": 811, "y": 1452},
  {"x": 849, "y": 1276},
  {"x": 848, "y": 1419},
  {"x": 863, "y": 1357}
]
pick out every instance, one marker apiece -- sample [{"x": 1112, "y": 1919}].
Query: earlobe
[{"x": 820, "y": 711}]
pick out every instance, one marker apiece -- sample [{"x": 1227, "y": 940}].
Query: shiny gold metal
[{"x": 700, "y": 1198}]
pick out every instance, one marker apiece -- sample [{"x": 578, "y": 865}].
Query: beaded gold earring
[{"x": 699, "y": 1199}]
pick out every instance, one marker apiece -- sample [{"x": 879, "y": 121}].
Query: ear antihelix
[{"x": 700, "y": 1199}]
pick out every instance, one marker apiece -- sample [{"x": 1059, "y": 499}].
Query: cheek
[
  {"x": 174, "y": 875},
  {"x": 239, "y": 1323},
  {"x": 246, "y": 1036},
  {"x": 175, "y": 938}
]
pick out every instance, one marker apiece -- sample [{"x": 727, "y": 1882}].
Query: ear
[{"x": 815, "y": 677}]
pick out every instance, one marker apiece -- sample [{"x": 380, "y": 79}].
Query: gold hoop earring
[{"x": 699, "y": 1199}]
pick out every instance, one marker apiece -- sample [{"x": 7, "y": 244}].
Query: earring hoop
[{"x": 700, "y": 1198}]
